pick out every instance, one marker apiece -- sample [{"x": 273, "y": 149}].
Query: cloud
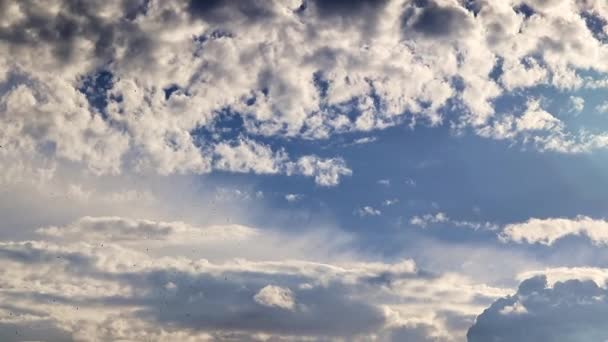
[
  {"x": 385, "y": 182},
  {"x": 109, "y": 229},
  {"x": 93, "y": 287},
  {"x": 390, "y": 202},
  {"x": 562, "y": 274},
  {"x": 248, "y": 156},
  {"x": 111, "y": 111},
  {"x": 577, "y": 104},
  {"x": 548, "y": 231},
  {"x": 545, "y": 131},
  {"x": 293, "y": 197},
  {"x": 572, "y": 310},
  {"x": 437, "y": 21},
  {"x": 326, "y": 172},
  {"x": 171, "y": 71},
  {"x": 602, "y": 108},
  {"x": 424, "y": 221},
  {"x": 367, "y": 211},
  {"x": 440, "y": 218},
  {"x": 275, "y": 296}
]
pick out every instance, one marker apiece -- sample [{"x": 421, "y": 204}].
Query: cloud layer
[{"x": 87, "y": 280}]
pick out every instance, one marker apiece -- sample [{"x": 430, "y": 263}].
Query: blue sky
[{"x": 303, "y": 170}]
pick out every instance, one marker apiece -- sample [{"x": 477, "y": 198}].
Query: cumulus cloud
[
  {"x": 275, "y": 296},
  {"x": 145, "y": 84},
  {"x": 548, "y": 231},
  {"x": 570, "y": 310},
  {"x": 326, "y": 172},
  {"x": 545, "y": 131}
]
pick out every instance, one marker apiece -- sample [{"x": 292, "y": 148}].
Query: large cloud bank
[{"x": 149, "y": 85}]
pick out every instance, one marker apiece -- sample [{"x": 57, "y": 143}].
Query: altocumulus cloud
[{"x": 133, "y": 84}]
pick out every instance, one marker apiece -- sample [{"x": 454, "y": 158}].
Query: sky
[{"x": 304, "y": 170}]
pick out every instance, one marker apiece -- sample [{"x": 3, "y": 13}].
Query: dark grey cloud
[
  {"x": 27, "y": 253},
  {"x": 60, "y": 30},
  {"x": 419, "y": 333},
  {"x": 225, "y": 303},
  {"x": 432, "y": 20},
  {"x": 570, "y": 311},
  {"x": 36, "y": 330},
  {"x": 595, "y": 23},
  {"x": 175, "y": 299},
  {"x": 348, "y": 8},
  {"x": 209, "y": 304},
  {"x": 221, "y": 11}
]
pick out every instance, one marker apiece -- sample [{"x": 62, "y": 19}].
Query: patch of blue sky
[{"x": 467, "y": 177}]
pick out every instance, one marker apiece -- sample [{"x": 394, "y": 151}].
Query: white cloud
[
  {"x": 326, "y": 172},
  {"x": 367, "y": 211},
  {"x": 544, "y": 131},
  {"x": 390, "y": 202},
  {"x": 349, "y": 67},
  {"x": 548, "y": 231},
  {"x": 385, "y": 182},
  {"x": 516, "y": 308},
  {"x": 562, "y": 274},
  {"x": 293, "y": 197},
  {"x": 425, "y": 220},
  {"x": 248, "y": 156},
  {"x": 410, "y": 182},
  {"x": 440, "y": 218},
  {"x": 602, "y": 108},
  {"x": 100, "y": 229},
  {"x": 275, "y": 296},
  {"x": 365, "y": 140},
  {"x": 536, "y": 119},
  {"x": 577, "y": 104}
]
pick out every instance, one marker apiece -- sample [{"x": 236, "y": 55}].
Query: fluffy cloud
[
  {"x": 275, "y": 296},
  {"x": 572, "y": 310},
  {"x": 249, "y": 156},
  {"x": 602, "y": 108},
  {"x": 548, "y": 231},
  {"x": 293, "y": 197},
  {"x": 577, "y": 104},
  {"x": 326, "y": 172},
  {"x": 146, "y": 84}
]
